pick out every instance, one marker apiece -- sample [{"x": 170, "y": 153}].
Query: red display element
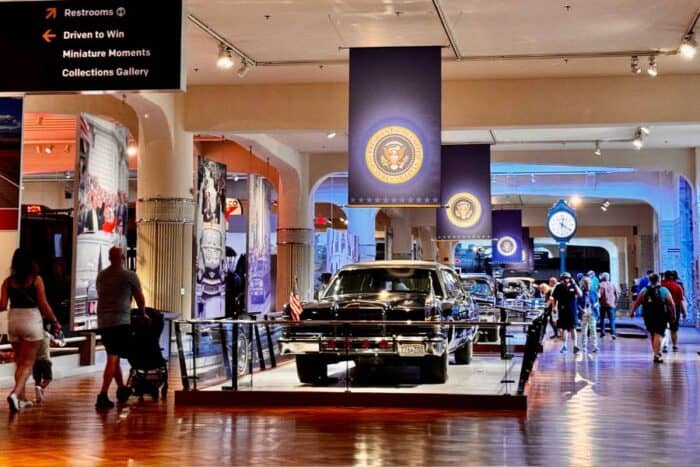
[
  {"x": 233, "y": 208},
  {"x": 320, "y": 220},
  {"x": 9, "y": 219},
  {"x": 33, "y": 209}
]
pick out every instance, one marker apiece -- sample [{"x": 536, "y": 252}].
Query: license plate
[{"x": 411, "y": 349}]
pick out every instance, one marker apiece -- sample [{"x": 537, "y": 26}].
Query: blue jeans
[{"x": 610, "y": 312}]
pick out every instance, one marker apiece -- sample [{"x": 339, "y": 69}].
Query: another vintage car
[
  {"x": 481, "y": 287},
  {"x": 383, "y": 291}
]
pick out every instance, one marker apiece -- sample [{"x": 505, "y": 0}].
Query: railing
[
  {"x": 225, "y": 353},
  {"x": 533, "y": 343}
]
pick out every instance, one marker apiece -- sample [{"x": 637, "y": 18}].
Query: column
[
  {"x": 165, "y": 206},
  {"x": 362, "y": 223},
  {"x": 427, "y": 243},
  {"x": 402, "y": 240},
  {"x": 446, "y": 252}
]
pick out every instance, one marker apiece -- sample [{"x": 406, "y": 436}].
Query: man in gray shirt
[{"x": 115, "y": 288}]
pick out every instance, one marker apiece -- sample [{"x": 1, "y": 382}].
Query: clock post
[{"x": 561, "y": 225}]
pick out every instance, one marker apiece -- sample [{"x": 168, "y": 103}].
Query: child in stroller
[{"x": 149, "y": 371}]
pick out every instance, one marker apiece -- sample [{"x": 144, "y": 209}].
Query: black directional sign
[{"x": 90, "y": 45}]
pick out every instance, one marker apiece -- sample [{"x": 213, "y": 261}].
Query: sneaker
[
  {"x": 602, "y": 335},
  {"x": 103, "y": 402},
  {"x": 665, "y": 349},
  {"x": 614, "y": 336},
  {"x": 675, "y": 348},
  {"x": 554, "y": 336},
  {"x": 564, "y": 350},
  {"x": 576, "y": 349},
  {"x": 658, "y": 358},
  {"x": 26, "y": 404},
  {"x": 13, "y": 402},
  {"x": 38, "y": 394},
  {"x": 123, "y": 394},
  {"x": 595, "y": 349}
]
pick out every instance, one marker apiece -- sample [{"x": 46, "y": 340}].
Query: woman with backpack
[{"x": 658, "y": 310}]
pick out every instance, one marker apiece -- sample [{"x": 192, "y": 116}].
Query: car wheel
[
  {"x": 463, "y": 355},
  {"x": 311, "y": 369},
  {"x": 434, "y": 369},
  {"x": 243, "y": 357}
]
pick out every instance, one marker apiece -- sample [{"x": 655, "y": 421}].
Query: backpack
[{"x": 654, "y": 304}]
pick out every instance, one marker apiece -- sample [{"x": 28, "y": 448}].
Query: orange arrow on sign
[
  {"x": 48, "y": 35},
  {"x": 51, "y": 13}
]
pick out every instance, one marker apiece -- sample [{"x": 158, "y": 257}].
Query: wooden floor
[{"x": 612, "y": 408}]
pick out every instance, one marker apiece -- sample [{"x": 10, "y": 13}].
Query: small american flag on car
[{"x": 295, "y": 307}]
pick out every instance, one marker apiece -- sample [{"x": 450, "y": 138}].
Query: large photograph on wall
[
  {"x": 10, "y": 161},
  {"x": 260, "y": 297},
  {"x": 101, "y": 207},
  {"x": 210, "y": 275}
]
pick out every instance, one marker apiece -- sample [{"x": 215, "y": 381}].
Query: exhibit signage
[
  {"x": 507, "y": 236},
  {"x": 10, "y": 161},
  {"x": 211, "y": 226},
  {"x": 102, "y": 208},
  {"x": 465, "y": 193},
  {"x": 260, "y": 285},
  {"x": 394, "y": 126},
  {"x": 84, "y": 45}
]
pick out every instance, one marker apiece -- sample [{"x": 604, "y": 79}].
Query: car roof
[{"x": 397, "y": 263}]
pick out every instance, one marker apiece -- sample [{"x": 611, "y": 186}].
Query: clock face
[{"x": 562, "y": 224}]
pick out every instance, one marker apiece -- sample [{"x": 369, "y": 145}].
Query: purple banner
[
  {"x": 465, "y": 193},
  {"x": 394, "y": 126},
  {"x": 507, "y": 236}
]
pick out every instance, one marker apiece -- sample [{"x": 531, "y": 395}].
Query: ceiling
[
  {"x": 318, "y": 33},
  {"x": 521, "y": 139}
]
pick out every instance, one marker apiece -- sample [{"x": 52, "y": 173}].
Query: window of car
[
  {"x": 452, "y": 283},
  {"x": 383, "y": 280}
]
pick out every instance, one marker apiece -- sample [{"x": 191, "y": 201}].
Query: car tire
[
  {"x": 463, "y": 355},
  {"x": 311, "y": 369},
  {"x": 434, "y": 369}
]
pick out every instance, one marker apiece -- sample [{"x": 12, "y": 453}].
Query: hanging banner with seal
[
  {"x": 394, "y": 132},
  {"x": 507, "y": 244},
  {"x": 466, "y": 193}
]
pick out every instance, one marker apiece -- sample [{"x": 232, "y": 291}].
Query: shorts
[
  {"x": 25, "y": 324},
  {"x": 655, "y": 325},
  {"x": 117, "y": 340},
  {"x": 567, "y": 319},
  {"x": 674, "y": 325},
  {"x": 42, "y": 371}
]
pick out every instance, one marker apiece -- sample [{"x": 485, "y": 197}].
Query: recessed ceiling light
[
  {"x": 48, "y": 149},
  {"x": 575, "y": 201},
  {"x": 132, "y": 150}
]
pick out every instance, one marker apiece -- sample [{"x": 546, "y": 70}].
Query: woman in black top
[{"x": 25, "y": 292}]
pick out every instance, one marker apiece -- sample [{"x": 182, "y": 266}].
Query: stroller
[{"x": 149, "y": 371}]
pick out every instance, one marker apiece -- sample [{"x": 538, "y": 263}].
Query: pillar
[
  {"x": 446, "y": 252},
  {"x": 402, "y": 240},
  {"x": 165, "y": 206},
  {"x": 362, "y": 223},
  {"x": 427, "y": 243}
]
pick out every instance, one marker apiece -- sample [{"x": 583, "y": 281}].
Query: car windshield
[
  {"x": 383, "y": 280},
  {"x": 477, "y": 287}
]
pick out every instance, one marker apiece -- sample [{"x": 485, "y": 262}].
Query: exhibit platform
[{"x": 487, "y": 384}]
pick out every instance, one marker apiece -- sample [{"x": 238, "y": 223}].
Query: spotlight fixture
[
  {"x": 243, "y": 70},
  {"x": 533, "y": 179},
  {"x": 689, "y": 46},
  {"x": 606, "y": 204},
  {"x": 48, "y": 149},
  {"x": 645, "y": 130},
  {"x": 575, "y": 201},
  {"x": 638, "y": 141},
  {"x": 652, "y": 70},
  {"x": 634, "y": 65},
  {"x": 132, "y": 150},
  {"x": 235, "y": 178},
  {"x": 331, "y": 135},
  {"x": 597, "y": 151},
  {"x": 603, "y": 208},
  {"x": 225, "y": 59}
]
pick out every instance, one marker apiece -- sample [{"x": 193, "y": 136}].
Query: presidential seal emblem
[
  {"x": 394, "y": 155},
  {"x": 506, "y": 246},
  {"x": 464, "y": 210}
]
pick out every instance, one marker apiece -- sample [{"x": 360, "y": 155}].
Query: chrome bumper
[{"x": 401, "y": 346}]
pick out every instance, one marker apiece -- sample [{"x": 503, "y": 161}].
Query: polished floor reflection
[{"x": 615, "y": 407}]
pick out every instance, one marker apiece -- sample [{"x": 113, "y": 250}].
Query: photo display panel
[
  {"x": 395, "y": 122},
  {"x": 87, "y": 45},
  {"x": 465, "y": 193},
  {"x": 10, "y": 161}
]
